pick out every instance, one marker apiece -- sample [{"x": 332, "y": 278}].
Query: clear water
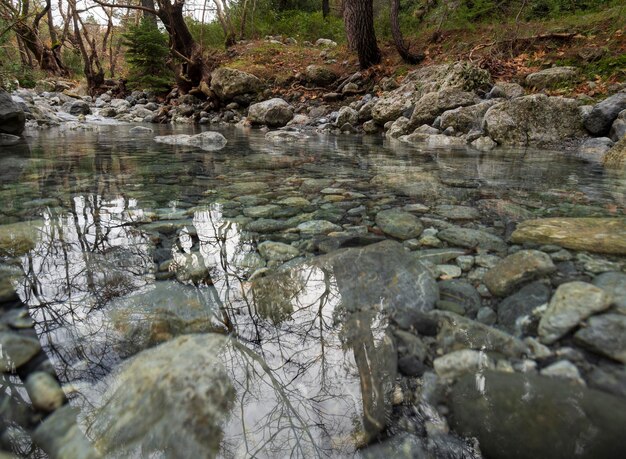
[{"x": 111, "y": 205}]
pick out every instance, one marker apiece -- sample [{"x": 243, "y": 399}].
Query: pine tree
[{"x": 147, "y": 55}]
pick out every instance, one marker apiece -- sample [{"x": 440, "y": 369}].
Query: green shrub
[{"x": 147, "y": 55}]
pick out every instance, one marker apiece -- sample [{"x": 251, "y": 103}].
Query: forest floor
[{"x": 593, "y": 42}]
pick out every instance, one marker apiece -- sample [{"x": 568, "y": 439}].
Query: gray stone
[
  {"x": 140, "y": 130},
  {"x": 17, "y": 349},
  {"x": 347, "y": 115},
  {"x": 398, "y": 128},
  {"x": 517, "y": 269},
  {"x": 178, "y": 393},
  {"x": 506, "y": 90},
  {"x": 277, "y": 251},
  {"x": 461, "y": 293},
  {"x": 524, "y": 416},
  {"x": 208, "y": 140},
  {"x": 571, "y": 303},
  {"x": 318, "y": 227},
  {"x": 594, "y": 150},
  {"x": 325, "y": 42},
  {"x": 265, "y": 211},
  {"x": 552, "y": 77},
  {"x": 614, "y": 284},
  {"x": 484, "y": 144},
  {"x": 535, "y": 120},
  {"x": 273, "y": 113},
  {"x": 472, "y": 238},
  {"x": 79, "y": 107},
  {"x": 460, "y": 362},
  {"x": 486, "y": 316},
  {"x": 563, "y": 369},
  {"x": 599, "y": 121},
  {"x": 399, "y": 224},
  {"x": 434, "y": 140},
  {"x": 618, "y": 128},
  {"x": 605, "y": 335},
  {"x": 448, "y": 271},
  {"x": 12, "y": 118},
  {"x": 61, "y": 438},
  {"x": 433, "y": 104},
  {"x": 521, "y": 304},
  {"x": 457, "y": 332},
  {"x": 439, "y": 256},
  {"x": 285, "y": 136},
  {"x": 44, "y": 391},
  {"x": 7, "y": 140},
  {"x": 320, "y": 74},
  {"x": 464, "y": 119},
  {"x": 229, "y": 83},
  {"x": 159, "y": 313}
]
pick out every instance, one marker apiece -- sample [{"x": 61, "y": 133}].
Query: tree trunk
[
  {"x": 359, "y": 19},
  {"x": 325, "y": 8},
  {"x": 147, "y": 15},
  {"x": 403, "y": 50}
]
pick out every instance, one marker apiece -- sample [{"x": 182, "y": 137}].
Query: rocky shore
[{"x": 440, "y": 106}]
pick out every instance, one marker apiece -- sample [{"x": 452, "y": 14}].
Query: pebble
[
  {"x": 465, "y": 262},
  {"x": 563, "y": 369},
  {"x": 449, "y": 271},
  {"x": 486, "y": 316}
]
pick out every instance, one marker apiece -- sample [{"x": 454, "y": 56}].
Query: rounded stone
[
  {"x": 44, "y": 391},
  {"x": 399, "y": 224}
]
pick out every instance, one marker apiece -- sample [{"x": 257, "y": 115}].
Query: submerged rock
[
  {"x": 571, "y": 303},
  {"x": 521, "y": 304},
  {"x": 16, "y": 349},
  {"x": 18, "y": 238},
  {"x": 174, "y": 396},
  {"x": 472, "y": 238},
  {"x": 524, "y": 416},
  {"x": 605, "y": 335},
  {"x": 399, "y": 224},
  {"x": 602, "y": 235},
  {"x": 517, "y": 269}
]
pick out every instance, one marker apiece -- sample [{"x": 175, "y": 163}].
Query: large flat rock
[{"x": 601, "y": 235}]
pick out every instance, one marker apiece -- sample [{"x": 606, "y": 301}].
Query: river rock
[
  {"x": 12, "y": 118},
  {"x": 318, "y": 227},
  {"x": 462, "y": 294},
  {"x": 571, "y": 303},
  {"x": 524, "y": 416},
  {"x": 277, "y": 251},
  {"x": 398, "y": 128},
  {"x": 61, "y": 438},
  {"x": 208, "y": 140},
  {"x": 273, "y": 112},
  {"x": 594, "y": 150},
  {"x": 471, "y": 238},
  {"x": 229, "y": 83},
  {"x": 521, "y": 304},
  {"x": 79, "y": 107},
  {"x": 605, "y": 335},
  {"x": 17, "y": 349},
  {"x": 457, "y": 363},
  {"x": 347, "y": 115},
  {"x": 457, "y": 332},
  {"x": 466, "y": 118},
  {"x": 320, "y": 75},
  {"x": 618, "y": 128},
  {"x": 399, "y": 224},
  {"x": 178, "y": 393},
  {"x": 602, "y": 235},
  {"x": 615, "y": 158},
  {"x": 285, "y": 136},
  {"x": 434, "y": 140},
  {"x": 6, "y": 140},
  {"x": 517, "y": 269},
  {"x": 433, "y": 104},
  {"x": 158, "y": 313},
  {"x": 552, "y": 77},
  {"x": 44, "y": 391},
  {"x": 457, "y": 212},
  {"x": 563, "y": 369},
  {"x": 264, "y": 211},
  {"x": 600, "y": 119},
  {"x": 614, "y": 284},
  {"x": 535, "y": 120}
]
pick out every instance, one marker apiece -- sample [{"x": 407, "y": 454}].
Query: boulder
[
  {"x": 535, "y": 120},
  {"x": 208, "y": 140},
  {"x": 320, "y": 75},
  {"x": 601, "y": 235},
  {"x": 460, "y": 75},
  {"x": 273, "y": 113},
  {"x": 615, "y": 158},
  {"x": 79, "y": 107},
  {"x": 521, "y": 304},
  {"x": 618, "y": 128},
  {"x": 525, "y": 416},
  {"x": 594, "y": 150},
  {"x": 605, "y": 335},
  {"x": 398, "y": 128},
  {"x": 433, "y": 104},
  {"x": 12, "y": 118},
  {"x": 228, "y": 83},
  {"x": 347, "y": 115},
  {"x": 552, "y": 77},
  {"x": 464, "y": 119},
  {"x": 178, "y": 393},
  {"x": 601, "y": 117},
  {"x": 506, "y": 90}
]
